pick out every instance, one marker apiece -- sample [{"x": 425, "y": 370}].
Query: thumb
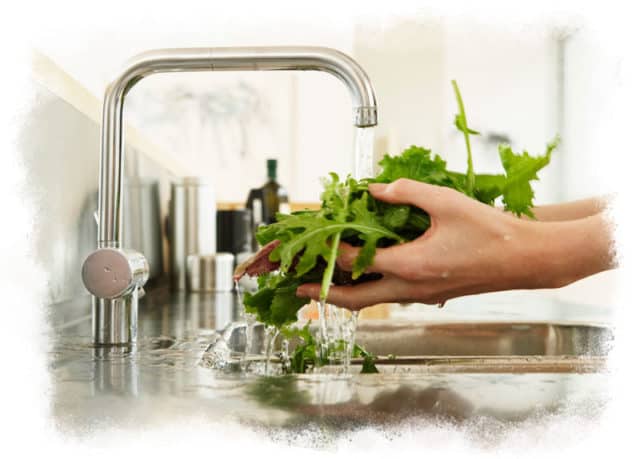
[{"x": 433, "y": 199}]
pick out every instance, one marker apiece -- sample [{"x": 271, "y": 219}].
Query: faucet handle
[{"x": 113, "y": 273}]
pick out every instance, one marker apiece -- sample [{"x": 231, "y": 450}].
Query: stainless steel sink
[
  {"x": 486, "y": 347},
  {"x": 489, "y": 346}
]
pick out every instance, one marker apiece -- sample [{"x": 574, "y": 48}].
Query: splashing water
[
  {"x": 271, "y": 333},
  {"x": 284, "y": 355},
  {"x": 236, "y": 285},
  {"x": 323, "y": 337},
  {"x": 349, "y": 337},
  {"x": 248, "y": 319}
]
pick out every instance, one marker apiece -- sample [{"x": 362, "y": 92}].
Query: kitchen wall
[
  {"x": 60, "y": 147},
  {"x": 406, "y": 64},
  {"x": 591, "y": 75}
]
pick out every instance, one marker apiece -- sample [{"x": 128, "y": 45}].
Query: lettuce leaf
[{"x": 521, "y": 169}]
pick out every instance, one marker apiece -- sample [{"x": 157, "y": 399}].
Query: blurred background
[{"x": 521, "y": 83}]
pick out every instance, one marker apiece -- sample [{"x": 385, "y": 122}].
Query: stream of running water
[
  {"x": 337, "y": 326},
  {"x": 337, "y": 332}
]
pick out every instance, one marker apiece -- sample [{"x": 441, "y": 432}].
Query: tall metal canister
[{"x": 192, "y": 225}]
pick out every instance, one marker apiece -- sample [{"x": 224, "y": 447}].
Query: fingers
[
  {"x": 347, "y": 254},
  {"x": 391, "y": 260},
  {"x": 359, "y": 296},
  {"x": 432, "y": 199}
]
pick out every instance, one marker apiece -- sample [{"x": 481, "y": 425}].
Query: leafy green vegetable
[
  {"x": 368, "y": 364},
  {"x": 307, "y": 353},
  {"x": 461, "y": 123},
  {"x": 275, "y": 302},
  {"x": 304, "y": 237},
  {"x": 309, "y": 240},
  {"x": 414, "y": 163},
  {"x": 521, "y": 169}
]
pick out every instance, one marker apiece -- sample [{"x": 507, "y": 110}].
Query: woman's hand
[{"x": 470, "y": 248}]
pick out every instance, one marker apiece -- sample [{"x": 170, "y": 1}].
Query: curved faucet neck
[{"x": 208, "y": 59}]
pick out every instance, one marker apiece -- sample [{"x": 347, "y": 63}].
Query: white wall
[
  {"x": 591, "y": 74},
  {"x": 405, "y": 62},
  {"x": 508, "y": 79},
  {"x": 222, "y": 126}
]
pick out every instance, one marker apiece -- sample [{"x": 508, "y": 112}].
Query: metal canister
[
  {"x": 192, "y": 225},
  {"x": 210, "y": 273}
]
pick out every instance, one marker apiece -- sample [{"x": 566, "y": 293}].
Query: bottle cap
[{"x": 272, "y": 165}]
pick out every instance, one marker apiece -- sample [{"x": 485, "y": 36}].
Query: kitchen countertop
[{"x": 162, "y": 380}]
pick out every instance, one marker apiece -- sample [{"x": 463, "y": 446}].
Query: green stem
[
  {"x": 463, "y": 118},
  {"x": 331, "y": 262}
]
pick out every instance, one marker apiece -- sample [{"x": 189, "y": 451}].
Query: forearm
[
  {"x": 559, "y": 253},
  {"x": 570, "y": 210}
]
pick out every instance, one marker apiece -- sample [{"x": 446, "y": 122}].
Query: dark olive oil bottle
[
  {"x": 265, "y": 202},
  {"x": 276, "y": 199}
]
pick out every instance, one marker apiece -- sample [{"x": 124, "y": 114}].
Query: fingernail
[{"x": 377, "y": 187}]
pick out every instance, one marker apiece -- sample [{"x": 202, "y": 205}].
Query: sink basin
[
  {"x": 490, "y": 347},
  {"x": 487, "y": 347}
]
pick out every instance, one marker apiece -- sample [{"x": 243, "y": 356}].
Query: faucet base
[{"x": 115, "y": 321}]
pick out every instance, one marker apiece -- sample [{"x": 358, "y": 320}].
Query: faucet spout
[
  {"x": 110, "y": 193},
  {"x": 210, "y": 59}
]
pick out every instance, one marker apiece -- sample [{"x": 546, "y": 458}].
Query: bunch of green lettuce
[{"x": 309, "y": 239}]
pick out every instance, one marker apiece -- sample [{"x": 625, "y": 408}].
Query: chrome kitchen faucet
[{"x": 115, "y": 276}]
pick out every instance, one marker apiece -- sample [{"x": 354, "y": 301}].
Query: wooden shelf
[{"x": 295, "y": 206}]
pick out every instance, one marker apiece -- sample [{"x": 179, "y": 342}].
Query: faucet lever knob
[{"x": 113, "y": 273}]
